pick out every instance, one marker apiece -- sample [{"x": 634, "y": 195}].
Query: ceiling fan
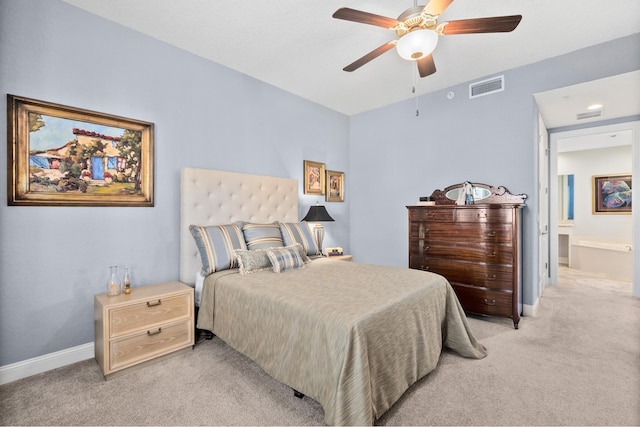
[{"x": 418, "y": 31}]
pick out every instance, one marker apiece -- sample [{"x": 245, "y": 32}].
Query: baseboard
[
  {"x": 26, "y": 368},
  {"x": 530, "y": 310}
]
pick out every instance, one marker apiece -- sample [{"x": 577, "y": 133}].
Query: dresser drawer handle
[
  {"x": 425, "y": 268},
  {"x": 492, "y": 234},
  {"x": 492, "y": 254},
  {"x": 431, "y": 215},
  {"x": 491, "y": 278},
  {"x": 149, "y": 333},
  {"x": 482, "y": 215},
  {"x": 492, "y": 302},
  {"x": 153, "y": 304}
]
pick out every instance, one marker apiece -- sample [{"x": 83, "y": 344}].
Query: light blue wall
[
  {"x": 54, "y": 259},
  {"x": 396, "y": 156}
]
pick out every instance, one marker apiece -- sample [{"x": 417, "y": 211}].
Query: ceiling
[{"x": 297, "y": 45}]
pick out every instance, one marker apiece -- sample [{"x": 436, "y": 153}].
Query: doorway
[{"x": 598, "y": 142}]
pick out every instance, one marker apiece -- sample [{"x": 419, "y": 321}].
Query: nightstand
[
  {"x": 342, "y": 257},
  {"x": 150, "y": 323}
]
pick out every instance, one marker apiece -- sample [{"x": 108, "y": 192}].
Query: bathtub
[{"x": 611, "y": 258}]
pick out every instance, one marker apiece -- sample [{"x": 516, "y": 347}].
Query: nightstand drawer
[
  {"x": 148, "y": 313},
  {"x": 150, "y": 343}
]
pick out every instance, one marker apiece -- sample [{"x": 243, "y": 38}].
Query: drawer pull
[
  {"x": 491, "y": 278},
  {"x": 425, "y": 268},
  {"x": 492, "y": 234},
  {"x": 482, "y": 215},
  {"x": 431, "y": 215},
  {"x": 153, "y": 304},
  {"x": 149, "y": 333},
  {"x": 492, "y": 254},
  {"x": 492, "y": 302}
]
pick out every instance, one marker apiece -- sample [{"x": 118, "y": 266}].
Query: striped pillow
[
  {"x": 284, "y": 259},
  {"x": 262, "y": 236},
  {"x": 299, "y": 232},
  {"x": 216, "y": 245}
]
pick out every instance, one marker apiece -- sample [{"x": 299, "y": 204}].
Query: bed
[{"x": 354, "y": 337}]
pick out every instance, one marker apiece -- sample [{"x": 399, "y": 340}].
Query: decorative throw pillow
[
  {"x": 262, "y": 236},
  {"x": 216, "y": 245},
  {"x": 301, "y": 251},
  {"x": 299, "y": 232},
  {"x": 252, "y": 261},
  {"x": 284, "y": 259}
]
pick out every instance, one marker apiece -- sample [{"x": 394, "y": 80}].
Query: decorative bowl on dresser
[
  {"x": 152, "y": 322},
  {"x": 477, "y": 247}
]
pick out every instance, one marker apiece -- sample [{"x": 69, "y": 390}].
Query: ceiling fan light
[{"x": 417, "y": 44}]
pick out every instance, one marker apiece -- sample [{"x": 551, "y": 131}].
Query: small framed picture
[
  {"x": 313, "y": 177},
  {"x": 335, "y": 186},
  {"x": 611, "y": 194}
]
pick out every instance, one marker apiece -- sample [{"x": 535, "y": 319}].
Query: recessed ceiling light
[{"x": 594, "y": 107}]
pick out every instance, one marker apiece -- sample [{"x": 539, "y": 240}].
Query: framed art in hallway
[
  {"x": 611, "y": 194},
  {"x": 335, "y": 186},
  {"x": 65, "y": 156},
  {"x": 313, "y": 177}
]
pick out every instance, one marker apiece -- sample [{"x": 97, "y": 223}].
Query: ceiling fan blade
[
  {"x": 496, "y": 24},
  {"x": 370, "y": 56},
  {"x": 426, "y": 66},
  {"x": 436, "y": 7},
  {"x": 354, "y": 15}
]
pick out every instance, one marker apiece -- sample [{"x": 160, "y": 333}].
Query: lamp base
[{"x": 318, "y": 230}]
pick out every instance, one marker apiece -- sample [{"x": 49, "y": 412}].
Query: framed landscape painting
[
  {"x": 66, "y": 156},
  {"x": 611, "y": 194}
]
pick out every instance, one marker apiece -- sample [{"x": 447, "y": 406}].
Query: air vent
[
  {"x": 588, "y": 114},
  {"x": 486, "y": 87}
]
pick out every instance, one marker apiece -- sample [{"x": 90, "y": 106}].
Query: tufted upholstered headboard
[{"x": 212, "y": 197}]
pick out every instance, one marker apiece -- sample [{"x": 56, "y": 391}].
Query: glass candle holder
[{"x": 113, "y": 284}]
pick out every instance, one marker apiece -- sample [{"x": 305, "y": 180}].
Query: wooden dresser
[
  {"x": 477, "y": 247},
  {"x": 151, "y": 322}
]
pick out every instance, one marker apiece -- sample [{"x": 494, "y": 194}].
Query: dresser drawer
[
  {"x": 488, "y": 253},
  {"x": 476, "y": 215},
  {"x": 432, "y": 214},
  {"x": 491, "y": 276},
  {"x": 483, "y": 301},
  {"x": 150, "y": 343},
  {"x": 461, "y": 232},
  {"x": 147, "y": 313}
]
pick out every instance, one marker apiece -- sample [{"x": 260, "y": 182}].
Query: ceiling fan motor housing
[{"x": 415, "y": 18}]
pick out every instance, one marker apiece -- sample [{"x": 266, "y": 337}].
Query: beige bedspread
[{"x": 354, "y": 337}]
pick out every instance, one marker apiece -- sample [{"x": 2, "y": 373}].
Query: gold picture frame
[
  {"x": 65, "y": 156},
  {"x": 611, "y": 194},
  {"x": 314, "y": 178},
  {"x": 335, "y": 186}
]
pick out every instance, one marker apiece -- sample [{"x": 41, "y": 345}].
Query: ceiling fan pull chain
[{"x": 413, "y": 88}]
